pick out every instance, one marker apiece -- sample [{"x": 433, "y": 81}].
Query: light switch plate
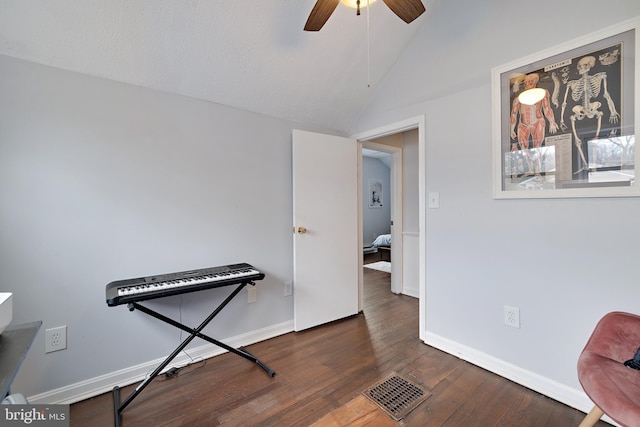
[{"x": 434, "y": 200}]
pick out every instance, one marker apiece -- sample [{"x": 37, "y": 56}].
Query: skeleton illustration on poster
[{"x": 573, "y": 132}]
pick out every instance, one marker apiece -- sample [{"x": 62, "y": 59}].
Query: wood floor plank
[
  {"x": 321, "y": 374},
  {"x": 359, "y": 412}
]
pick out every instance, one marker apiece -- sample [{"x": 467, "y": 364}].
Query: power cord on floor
[
  {"x": 184, "y": 370},
  {"x": 175, "y": 370},
  {"x": 172, "y": 372}
]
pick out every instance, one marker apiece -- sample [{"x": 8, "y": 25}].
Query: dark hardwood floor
[{"x": 323, "y": 371}]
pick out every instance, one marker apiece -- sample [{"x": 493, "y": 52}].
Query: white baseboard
[
  {"x": 557, "y": 391},
  {"x": 415, "y": 293},
  {"x": 105, "y": 383}
]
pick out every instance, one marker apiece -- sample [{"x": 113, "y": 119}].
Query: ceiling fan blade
[
  {"x": 407, "y": 10},
  {"x": 320, "y": 14}
]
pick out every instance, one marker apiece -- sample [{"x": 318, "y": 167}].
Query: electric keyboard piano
[
  {"x": 132, "y": 291},
  {"x": 145, "y": 288}
]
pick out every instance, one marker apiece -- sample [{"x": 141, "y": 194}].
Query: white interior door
[{"x": 325, "y": 222}]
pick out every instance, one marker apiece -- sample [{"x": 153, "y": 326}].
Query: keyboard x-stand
[{"x": 132, "y": 291}]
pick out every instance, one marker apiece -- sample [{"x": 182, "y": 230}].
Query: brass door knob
[{"x": 301, "y": 230}]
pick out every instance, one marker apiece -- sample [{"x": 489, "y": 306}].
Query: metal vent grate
[{"x": 397, "y": 396}]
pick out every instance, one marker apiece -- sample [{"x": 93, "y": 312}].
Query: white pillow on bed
[{"x": 382, "y": 240}]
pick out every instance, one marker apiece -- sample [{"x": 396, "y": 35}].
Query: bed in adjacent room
[
  {"x": 383, "y": 240},
  {"x": 381, "y": 245}
]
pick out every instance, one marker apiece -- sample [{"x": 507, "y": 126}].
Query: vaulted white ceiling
[{"x": 247, "y": 54}]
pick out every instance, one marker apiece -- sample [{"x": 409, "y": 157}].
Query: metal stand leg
[{"x": 193, "y": 333}]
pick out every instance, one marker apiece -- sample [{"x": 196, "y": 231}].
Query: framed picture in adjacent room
[
  {"x": 376, "y": 195},
  {"x": 564, "y": 119}
]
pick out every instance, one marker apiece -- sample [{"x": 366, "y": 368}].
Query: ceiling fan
[{"x": 407, "y": 10}]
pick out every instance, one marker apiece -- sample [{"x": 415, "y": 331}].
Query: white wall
[
  {"x": 564, "y": 263},
  {"x": 101, "y": 181}
]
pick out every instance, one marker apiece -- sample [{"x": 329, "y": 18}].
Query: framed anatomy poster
[{"x": 564, "y": 119}]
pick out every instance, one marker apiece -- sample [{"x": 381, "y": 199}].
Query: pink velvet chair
[{"x": 613, "y": 387}]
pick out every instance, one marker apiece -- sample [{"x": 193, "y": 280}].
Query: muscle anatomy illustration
[{"x": 531, "y": 124}]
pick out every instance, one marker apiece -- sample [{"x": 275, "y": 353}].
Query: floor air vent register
[{"x": 397, "y": 396}]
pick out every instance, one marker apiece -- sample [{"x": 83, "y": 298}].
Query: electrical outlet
[
  {"x": 252, "y": 294},
  {"x": 512, "y": 316},
  {"x": 288, "y": 288},
  {"x": 55, "y": 339}
]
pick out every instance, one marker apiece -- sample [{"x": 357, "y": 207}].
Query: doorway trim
[{"x": 417, "y": 122}]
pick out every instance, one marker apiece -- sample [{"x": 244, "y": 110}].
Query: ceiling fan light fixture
[
  {"x": 353, "y": 4},
  {"x": 407, "y": 10},
  {"x": 531, "y": 96}
]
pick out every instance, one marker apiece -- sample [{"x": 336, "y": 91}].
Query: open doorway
[
  {"x": 380, "y": 206},
  {"x": 408, "y": 257},
  {"x": 393, "y": 160}
]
